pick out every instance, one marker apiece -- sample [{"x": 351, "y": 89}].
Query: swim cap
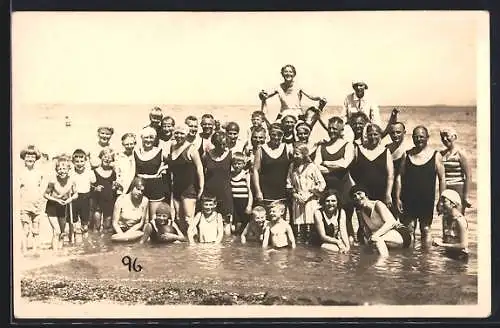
[
  {"x": 452, "y": 196},
  {"x": 163, "y": 209}
]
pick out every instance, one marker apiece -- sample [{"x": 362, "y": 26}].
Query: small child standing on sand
[
  {"x": 207, "y": 224},
  {"x": 60, "y": 192},
  {"x": 254, "y": 229},
  {"x": 30, "y": 185},
  {"x": 278, "y": 232},
  {"x": 84, "y": 179}
]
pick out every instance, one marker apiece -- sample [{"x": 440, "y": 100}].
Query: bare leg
[
  {"x": 56, "y": 232},
  {"x": 97, "y": 221},
  {"x": 425, "y": 235},
  {"x": 36, "y": 232},
  {"x": 330, "y": 247},
  {"x": 26, "y": 233}
]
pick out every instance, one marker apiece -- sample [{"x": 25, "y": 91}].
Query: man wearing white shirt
[{"x": 356, "y": 102}]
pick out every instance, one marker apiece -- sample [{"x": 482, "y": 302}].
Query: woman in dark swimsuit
[
  {"x": 416, "y": 183},
  {"x": 270, "y": 170},
  {"x": 217, "y": 164},
  {"x": 188, "y": 179},
  {"x": 333, "y": 159},
  {"x": 149, "y": 163},
  {"x": 372, "y": 166}
]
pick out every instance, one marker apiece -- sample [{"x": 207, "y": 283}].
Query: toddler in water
[
  {"x": 30, "y": 185},
  {"x": 84, "y": 180},
  {"x": 254, "y": 229},
  {"x": 60, "y": 192},
  {"x": 162, "y": 229},
  {"x": 207, "y": 224},
  {"x": 241, "y": 190},
  {"x": 278, "y": 232},
  {"x": 105, "y": 190},
  {"x": 455, "y": 231}
]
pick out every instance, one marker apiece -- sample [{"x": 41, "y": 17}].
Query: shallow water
[{"x": 412, "y": 276}]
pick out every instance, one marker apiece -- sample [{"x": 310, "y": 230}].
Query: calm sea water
[{"x": 414, "y": 276}]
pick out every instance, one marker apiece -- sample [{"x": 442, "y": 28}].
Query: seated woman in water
[
  {"x": 130, "y": 211},
  {"x": 455, "y": 232},
  {"x": 162, "y": 229},
  {"x": 330, "y": 224},
  {"x": 289, "y": 94},
  {"x": 377, "y": 224},
  {"x": 254, "y": 230},
  {"x": 278, "y": 232},
  {"x": 207, "y": 225}
]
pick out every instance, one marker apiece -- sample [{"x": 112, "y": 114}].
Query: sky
[{"x": 406, "y": 58}]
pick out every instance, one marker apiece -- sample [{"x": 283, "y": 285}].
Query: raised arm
[{"x": 314, "y": 98}]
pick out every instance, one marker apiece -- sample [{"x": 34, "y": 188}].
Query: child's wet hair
[
  {"x": 78, "y": 153},
  {"x": 232, "y": 126},
  {"x": 128, "y": 135},
  {"x": 208, "y": 198},
  {"x": 258, "y": 210},
  {"x": 277, "y": 205},
  {"x": 258, "y": 113},
  {"x": 238, "y": 157},
  {"x": 107, "y": 151},
  {"x": 108, "y": 129},
  {"x": 30, "y": 150}
]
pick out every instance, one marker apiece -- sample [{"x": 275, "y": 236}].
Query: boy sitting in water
[
  {"x": 207, "y": 225},
  {"x": 278, "y": 232},
  {"x": 254, "y": 230},
  {"x": 162, "y": 229},
  {"x": 455, "y": 232}
]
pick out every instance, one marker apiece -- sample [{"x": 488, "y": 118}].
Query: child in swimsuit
[
  {"x": 60, "y": 192},
  {"x": 84, "y": 179},
  {"x": 241, "y": 191},
  {"x": 278, "y": 233},
  {"x": 254, "y": 229},
  {"x": 30, "y": 190},
  {"x": 162, "y": 229},
  {"x": 105, "y": 189},
  {"x": 455, "y": 232},
  {"x": 207, "y": 225}
]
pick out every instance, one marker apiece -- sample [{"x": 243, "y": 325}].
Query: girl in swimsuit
[
  {"x": 307, "y": 184},
  {"x": 330, "y": 223},
  {"x": 188, "y": 180},
  {"x": 60, "y": 192},
  {"x": 379, "y": 227},
  {"x": 416, "y": 183},
  {"x": 289, "y": 94},
  {"x": 455, "y": 232},
  {"x": 208, "y": 224},
  {"x": 162, "y": 229},
  {"x": 105, "y": 190},
  {"x": 457, "y": 172},
  {"x": 278, "y": 232}
]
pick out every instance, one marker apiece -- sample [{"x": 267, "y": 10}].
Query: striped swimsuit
[
  {"x": 454, "y": 174},
  {"x": 239, "y": 190}
]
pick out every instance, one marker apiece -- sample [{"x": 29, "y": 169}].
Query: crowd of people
[{"x": 203, "y": 180}]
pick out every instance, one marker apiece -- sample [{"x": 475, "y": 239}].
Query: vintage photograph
[{"x": 250, "y": 164}]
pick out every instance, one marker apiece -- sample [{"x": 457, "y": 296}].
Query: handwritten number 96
[{"x": 132, "y": 264}]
